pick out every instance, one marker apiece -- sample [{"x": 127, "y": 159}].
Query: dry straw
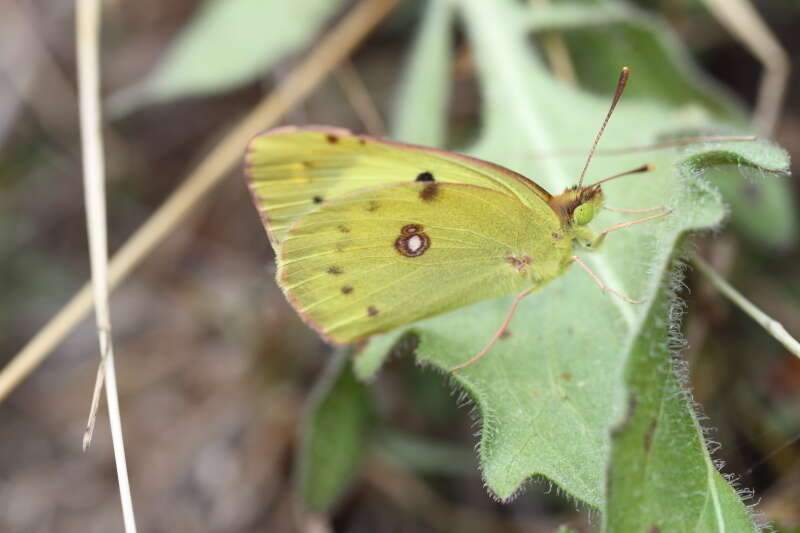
[
  {"x": 87, "y": 37},
  {"x": 328, "y": 53}
]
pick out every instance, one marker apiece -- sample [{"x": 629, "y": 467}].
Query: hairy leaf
[
  {"x": 658, "y": 456},
  {"x": 550, "y": 392},
  {"x": 601, "y": 33}
]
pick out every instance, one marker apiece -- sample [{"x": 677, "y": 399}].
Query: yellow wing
[
  {"x": 375, "y": 260},
  {"x": 293, "y": 170}
]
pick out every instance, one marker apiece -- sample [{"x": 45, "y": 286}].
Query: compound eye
[{"x": 583, "y": 214}]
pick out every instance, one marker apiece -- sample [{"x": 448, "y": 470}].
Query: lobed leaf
[
  {"x": 601, "y": 33},
  {"x": 551, "y": 392}
]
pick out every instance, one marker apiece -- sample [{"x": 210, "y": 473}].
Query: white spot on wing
[{"x": 414, "y": 243}]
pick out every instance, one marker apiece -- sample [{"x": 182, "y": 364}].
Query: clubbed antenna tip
[{"x": 623, "y": 80}]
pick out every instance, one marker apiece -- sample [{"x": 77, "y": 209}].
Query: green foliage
[
  {"x": 760, "y": 207},
  {"x": 658, "y": 456},
  {"x": 421, "y": 107},
  {"x": 227, "y": 44},
  {"x": 602, "y": 33},
  {"x": 550, "y": 393},
  {"x": 335, "y": 435},
  {"x": 425, "y": 456},
  {"x": 584, "y": 391}
]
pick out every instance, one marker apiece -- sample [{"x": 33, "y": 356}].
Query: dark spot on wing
[
  {"x": 648, "y": 436},
  {"x": 425, "y": 176},
  {"x": 361, "y": 141},
  {"x": 306, "y": 164},
  {"x": 429, "y": 192},
  {"x": 520, "y": 264},
  {"x": 347, "y": 289},
  {"x": 505, "y": 334},
  {"x": 343, "y": 228},
  {"x": 335, "y": 270},
  {"x": 372, "y": 310},
  {"x": 373, "y": 206},
  {"x": 566, "y": 376},
  {"x": 317, "y": 199},
  {"x": 331, "y": 138},
  {"x": 412, "y": 241},
  {"x": 556, "y": 236}
]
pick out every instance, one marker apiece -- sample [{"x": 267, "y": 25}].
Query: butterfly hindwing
[
  {"x": 372, "y": 261},
  {"x": 293, "y": 170}
]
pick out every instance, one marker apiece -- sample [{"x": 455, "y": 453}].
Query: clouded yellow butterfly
[{"x": 371, "y": 234}]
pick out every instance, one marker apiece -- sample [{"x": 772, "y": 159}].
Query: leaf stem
[{"x": 772, "y": 326}]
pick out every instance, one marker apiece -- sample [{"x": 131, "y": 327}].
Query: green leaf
[
  {"x": 762, "y": 209},
  {"x": 604, "y": 34},
  {"x": 550, "y": 393},
  {"x": 335, "y": 435},
  {"x": 658, "y": 457},
  {"x": 421, "y": 109},
  {"x": 227, "y": 44},
  {"x": 425, "y": 456},
  {"x": 760, "y": 206}
]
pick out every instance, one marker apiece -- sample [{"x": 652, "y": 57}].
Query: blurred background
[{"x": 214, "y": 367}]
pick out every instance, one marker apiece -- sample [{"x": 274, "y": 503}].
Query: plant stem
[
  {"x": 772, "y": 326},
  {"x": 87, "y": 37}
]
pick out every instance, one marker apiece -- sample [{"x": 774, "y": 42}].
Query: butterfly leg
[
  {"x": 600, "y": 238},
  {"x": 498, "y": 333},
  {"x": 603, "y": 286}
]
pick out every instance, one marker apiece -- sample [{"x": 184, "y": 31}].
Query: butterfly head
[
  {"x": 591, "y": 202},
  {"x": 577, "y": 206}
]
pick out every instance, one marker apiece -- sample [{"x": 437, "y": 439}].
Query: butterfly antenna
[
  {"x": 623, "y": 80},
  {"x": 643, "y": 168}
]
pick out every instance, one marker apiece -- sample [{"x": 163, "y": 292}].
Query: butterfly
[{"x": 372, "y": 234}]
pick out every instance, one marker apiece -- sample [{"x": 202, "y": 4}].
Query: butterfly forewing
[
  {"x": 372, "y": 261},
  {"x": 294, "y": 170}
]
